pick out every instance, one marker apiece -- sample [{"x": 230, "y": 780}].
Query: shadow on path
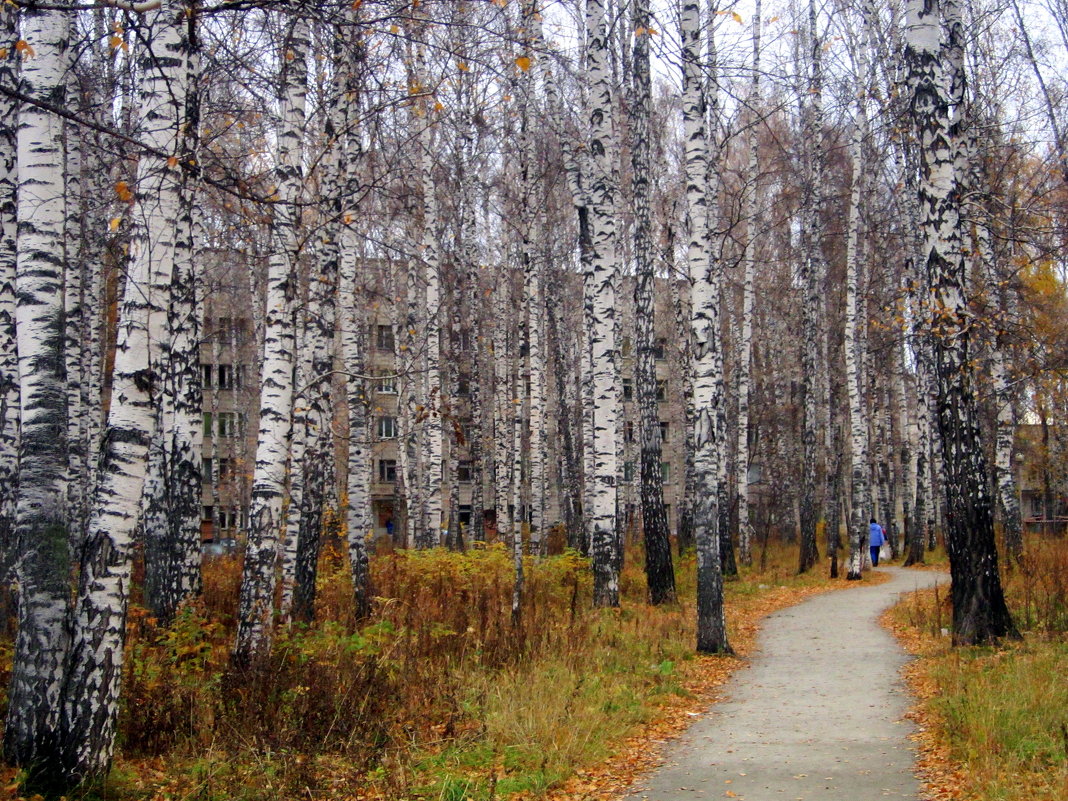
[{"x": 816, "y": 717}]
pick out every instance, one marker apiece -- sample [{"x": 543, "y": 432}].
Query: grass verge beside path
[{"x": 993, "y": 721}]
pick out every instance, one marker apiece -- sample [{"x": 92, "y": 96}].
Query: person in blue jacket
[{"x": 876, "y": 538}]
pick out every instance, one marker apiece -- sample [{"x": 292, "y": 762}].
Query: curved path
[{"x": 816, "y": 717}]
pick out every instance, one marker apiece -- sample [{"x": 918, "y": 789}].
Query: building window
[
  {"x": 465, "y": 341},
  {"x": 465, "y": 515},
  {"x": 628, "y": 389},
  {"x": 228, "y": 519},
  {"x": 207, "y": 373},
  {"x": 465, "y": 472},
  {"x": 384, "y": 340},
  {"x": 229, "y": 425},
  {"x": 387, "y": 427},
  {"x": 661, "y": 389},
  {"x": 226, "y": 376},
  {"x": 628, "y": 471},
  {"x": 463, "y": 386},
  {"x": 208, "y": 424},
  {"x": 665, "y": 472},
  {"x": 660, "y": 348},
  {"x": 463, "y": 433},
  {"x": 386, "y": 383},
  {"x": 205, "y": 471},
  {"x": 628, "y": 431},
  {"x": 387, "y": 470},
  {"x": 665, "y": 430},
  {"x": 226, "y": 468}
]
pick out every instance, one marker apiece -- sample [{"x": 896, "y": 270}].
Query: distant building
[
  {"x": 230, "y": 375},
  {"x": 229, "y": 363},
  {"x": 1041, "y": 464}
]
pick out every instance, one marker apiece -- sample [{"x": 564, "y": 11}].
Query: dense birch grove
[{"x": 612, "y": 275}]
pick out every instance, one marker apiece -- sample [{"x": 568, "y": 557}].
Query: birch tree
[
  {"x": 601, "y": 309},
  {"x": 979, "y": 611},
  {"x": 41, "y": 532},
  {"x": 707, "y": 391},
  {"x": 256, "y": 604},
  {"x": 353, "y": 325},
  {"x": 93, "y": 681},
  {"x": 745, "y": 341},
  {"x": 9, "y": 366},
  {"x": 659, "y": 572},
  {"x": 811, "y": 280},
  {"x": 428, "y": 534},
  {"x": 533, "y": 286},
  {"x": 172, "y": 546},
  {"x": 858, "y": 421}
]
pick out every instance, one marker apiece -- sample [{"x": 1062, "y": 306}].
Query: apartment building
[
  {"x": 229, "y": 359},
  {"x": 230, "y": 356}
]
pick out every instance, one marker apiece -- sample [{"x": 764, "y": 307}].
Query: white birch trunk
[
  {"x": 812, "y": 282},
  {"x": 534, "y": 302},
  {"x": 75, "y": 279},
  {"x": 41, "y": 531},
  {"x": 428, "y": 534},
  {"x": 92, "y": 687},
  {"x": 358, "y": 519},
  {"x": 906, "y": 475},
  {"x": 172, "y": 541},
  {"x": 256, "y": 605},
  {"x": 601, "y": 299},
  {"x": 9, "y": 366},
  {"x": 502, "y": 407},
  {"x": 934, "y": 46},
  {"x": 659, "y": 570},
  {"x": 858, "y": 425},
  {"x": 707, "y": 381},
  {"x": 298, "y": 449},
  {"x": 317, "y": 464},
  {"x": 745, "y": 342}
]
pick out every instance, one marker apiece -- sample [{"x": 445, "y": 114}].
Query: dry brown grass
[{"x": 994, "y": 721}]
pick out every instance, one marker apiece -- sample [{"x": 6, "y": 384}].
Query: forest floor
[
  {"x": 819, "y": 714},
  {"x": 439, "y": 695}
]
